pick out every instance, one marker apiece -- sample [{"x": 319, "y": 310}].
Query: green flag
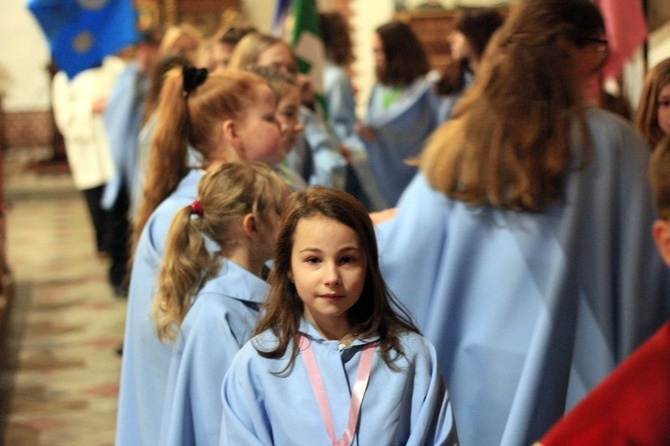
[{"x": 308, "y": 46}]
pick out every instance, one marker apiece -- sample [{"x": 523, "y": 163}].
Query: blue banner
[{"x": 81, "y": 33}]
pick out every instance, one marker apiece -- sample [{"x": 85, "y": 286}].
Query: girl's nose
[{"x": 332, "y": 277}]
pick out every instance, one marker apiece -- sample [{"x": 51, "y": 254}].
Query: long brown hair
[
  {"x": 226, "y": 194},
  {"x": 373, "y": 313},
  {"x": 193, "y": 120},
  {"x": 406, "y": 59},
  {"x": 646, "y": 119},
  {"x": 509, "y": 144},
  {"x": 659, "y": 174},
  {"x": 336, "y": 37}
]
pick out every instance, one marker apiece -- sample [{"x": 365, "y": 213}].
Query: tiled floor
[{"x": 59, "y": 375}]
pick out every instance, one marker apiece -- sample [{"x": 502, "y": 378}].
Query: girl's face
[
  {"x": 587, "y": 61},
  {"x": 378, "y": 50},
  {"x": 278, "y": 56},
  {"x": 663, "y": 114},
  {"x": 460, "y": 47},
  {"x": 221, "y": 53},
  {"x": 288, "y": 117},
  {"x": 328, "y": 269},
  {"x": 258, "y": 131},
  {"x": 590, "y": 57}
]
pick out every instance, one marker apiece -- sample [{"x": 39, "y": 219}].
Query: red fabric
[
  {"x": 630, "y": 407},
  {"x": 626, "y": 30}
]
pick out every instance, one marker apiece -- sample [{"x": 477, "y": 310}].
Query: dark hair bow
[{"x": 193, "y": 77}]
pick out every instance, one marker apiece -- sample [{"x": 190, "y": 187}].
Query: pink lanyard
[{"x": 362, "y": 378}]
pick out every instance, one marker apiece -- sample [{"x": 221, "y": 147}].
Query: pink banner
[{"x": 626, "y": 30}]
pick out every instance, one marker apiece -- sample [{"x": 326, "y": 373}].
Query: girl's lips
[{"x": 331, "y": 296}]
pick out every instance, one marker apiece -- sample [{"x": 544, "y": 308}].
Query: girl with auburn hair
[
  {"x": 179, "y": 142},
  {"x": 207, "y": 300},
  {"x": 518, "y": 246},
  {"x": 328, "y": 309},
  {"x": 653, "y": 111},
  {"x": 204, "y": 120}
]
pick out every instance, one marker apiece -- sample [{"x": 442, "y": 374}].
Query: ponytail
[
  {"x": 193, "y": 120},
  {"x": 226, "y": 194},
  {"x": 168, "y": 156},
  {"x": 186, "y": 266}
]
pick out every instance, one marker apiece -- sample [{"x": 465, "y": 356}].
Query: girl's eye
[
  {"x": 312, "y": 260},
  {"x": 664, "y": 103},
  {"x": 347, "y": 259},
  {"x": 289, "y": 114},
  {"x": 290, "y": 111}
]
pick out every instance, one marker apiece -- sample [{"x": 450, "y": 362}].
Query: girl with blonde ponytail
[{"x": 208, "y": 296}]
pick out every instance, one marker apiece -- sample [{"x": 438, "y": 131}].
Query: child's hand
[
  {"x": 366, "y": 132},
  {"x": 346, "y": 154},
  {"x": 99, "y": 106},
  {"x": 382, "y": 216},
  {"x": 306, "y": 89}
]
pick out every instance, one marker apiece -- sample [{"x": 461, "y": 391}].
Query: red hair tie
[{"x": 196, "y": 208}]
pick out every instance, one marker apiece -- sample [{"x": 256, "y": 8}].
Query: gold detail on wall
[
  {"x": 170, "y": 8},
  {"x": 206, "y": 15},
  {"x": 149, "y": 14}
]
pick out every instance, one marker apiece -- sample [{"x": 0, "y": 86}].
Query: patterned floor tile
[{"x": 60, "y": 375}]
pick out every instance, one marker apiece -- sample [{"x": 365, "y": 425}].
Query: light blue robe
[
  {"x": 528, "y": 311},
  {"x": 123, "y": 119},
  {"x": 400, "y": 131},
  {"x": 220, "y": 321},
  {"x": 408, "y": 407},
  {"x": 328, "y": 167},
  {"x": 144, "y": 140},
  {"x": 340, "y": 101},
  {"x": 146, "y": 361}
]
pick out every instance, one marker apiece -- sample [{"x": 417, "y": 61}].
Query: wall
[
  {"x": 659, "y": 45},
  {"x": 24, "y": 54},
  {"x": 260, "y": 13},
  {"x": 23, "y": 77}
]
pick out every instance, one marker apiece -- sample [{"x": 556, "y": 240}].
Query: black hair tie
[{"x": 193, "y": 77}]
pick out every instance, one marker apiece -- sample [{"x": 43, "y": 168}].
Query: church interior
[{"x": 61, "y": 324}]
